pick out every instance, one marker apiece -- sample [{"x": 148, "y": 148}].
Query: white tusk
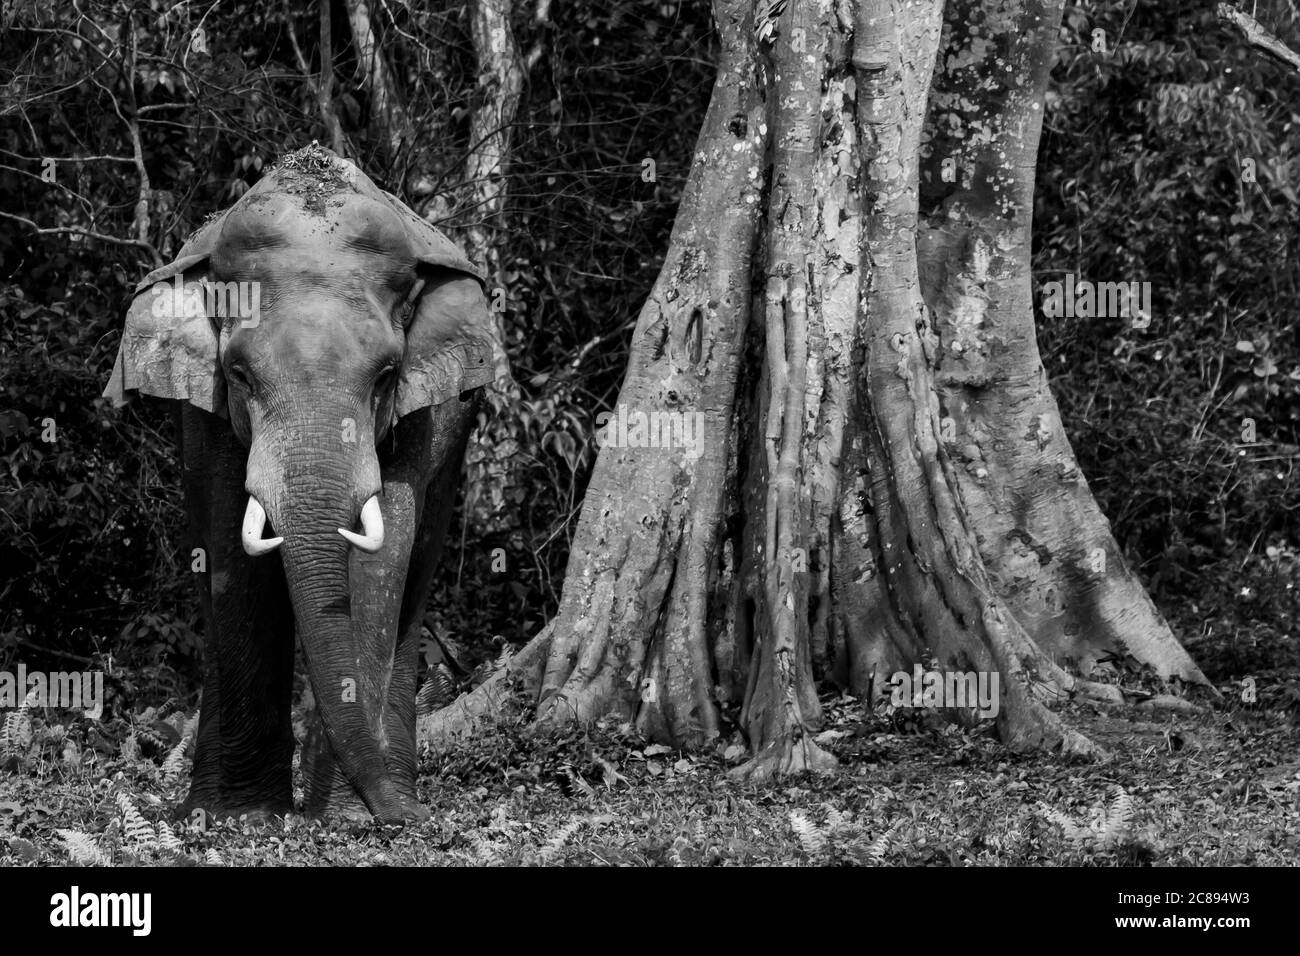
[
  {"x": 254, "y": 525},
  {"x": 371, "y": 538}
]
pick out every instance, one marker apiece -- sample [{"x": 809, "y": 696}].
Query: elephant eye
[{"x": 239, "y": 376}]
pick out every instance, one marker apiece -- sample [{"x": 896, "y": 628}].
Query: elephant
[{"x": 325, "y": 351}]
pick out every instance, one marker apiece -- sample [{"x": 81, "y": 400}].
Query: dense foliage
[{"x": 1143, "y": 176}]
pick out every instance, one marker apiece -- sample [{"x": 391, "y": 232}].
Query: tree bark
[
  {"x": 501, "y": 78},
  {"x": 387, "y": 112}
]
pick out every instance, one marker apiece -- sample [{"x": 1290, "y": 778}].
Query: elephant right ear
[
  {"x": 169, "y": 343},
  {"x": 449, "y": 334}
]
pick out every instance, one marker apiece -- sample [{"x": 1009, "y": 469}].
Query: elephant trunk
[{"x": 309, "y": 498}]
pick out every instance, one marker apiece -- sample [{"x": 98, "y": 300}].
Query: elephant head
[{"x": 312, "y": 315}]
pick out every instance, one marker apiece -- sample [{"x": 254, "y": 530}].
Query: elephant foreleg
[
  {"x": 244, "y": 747},
  {"x": 399, "y": 714}
]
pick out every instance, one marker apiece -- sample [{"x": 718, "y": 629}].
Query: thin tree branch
[
  {"x": 78, "y": 231},
  {"x": 65, "y": 655},
  {"x": 323, "y": 102},
  {"x": 1257, "y": 36},
  {"x": 69, "y": 159},
  {"x": 326, "y": 85},
  {"x": 141, "y": 219}
]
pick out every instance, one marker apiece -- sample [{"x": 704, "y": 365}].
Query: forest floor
[{"x": 1219, "y": 788}]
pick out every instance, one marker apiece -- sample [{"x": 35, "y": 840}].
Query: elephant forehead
[
  {"x": 314, "y": 329},
  {"x": 343, "y": 337},
  {"x": 275, "y": 229}
]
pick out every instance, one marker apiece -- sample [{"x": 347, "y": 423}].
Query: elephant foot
[
  {"x": 204, "y": 809},
  {"x": 414, "y": 811},
  {"x": 402, "y": 807},
  {"x": 355, "y": 814},
  {"x": 341, "y": 804},
  {"x": 412, "y": 808},
  {"x": 337, "y": 802},
  {"x": 405, "y": 813},
  {"x": 331, "y": 797},
  {"x": 351, "y": 816}
]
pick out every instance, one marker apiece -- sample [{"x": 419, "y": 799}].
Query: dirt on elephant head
[{"x": 314, "y": 174}]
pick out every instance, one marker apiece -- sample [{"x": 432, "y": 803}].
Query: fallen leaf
[{"x": 610, "y": 773}]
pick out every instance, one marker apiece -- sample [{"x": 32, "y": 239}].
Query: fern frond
[
  {"x": 190, "y": 727},
  {"x": 438, "y": 691},
  {"x": 17, "y": 730},
  {"x": 1108, "y": 824},
  {"x": 557, "y": 842},
  {"x": 168, "y": 841},
  {"x": 82, "y": 848},
  {"x": 136, "y": 827},
  {"x": 152, "y": 737},
  {"x": 130, "y": 747},
  {"x": 880, "y": 846},
  {"x": 174, "y": 763},
  {"x": 811, "y": 837},
  {"x": 1118, "y": 818},
  {"x": 213, "y": 858},
  {"x": 1071, "y": 829}
]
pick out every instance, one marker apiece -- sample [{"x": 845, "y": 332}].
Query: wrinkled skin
[{"x": 347, "y": 386}]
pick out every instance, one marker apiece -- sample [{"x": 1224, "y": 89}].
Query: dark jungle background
[{"x": 1140, "y": 177}]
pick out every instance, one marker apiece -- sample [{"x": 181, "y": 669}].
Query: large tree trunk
[
  {"x": 882, "y": 478},
  {"x": 480, "y": 205},
  {"x": 634, "y": 628}
]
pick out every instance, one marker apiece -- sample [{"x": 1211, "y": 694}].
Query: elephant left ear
[
  {"x": 169, "y": 343},
  {"x": 449, "y": 334}
]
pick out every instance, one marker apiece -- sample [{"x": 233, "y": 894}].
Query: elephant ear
[
  {"x": 167, "y": 350},
  {"x": 449, "y": 333}
]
